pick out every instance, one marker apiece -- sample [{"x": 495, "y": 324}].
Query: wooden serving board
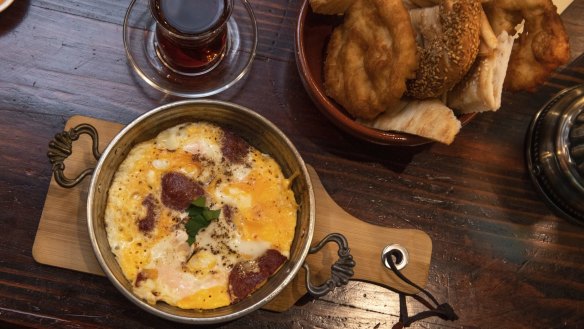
[{"x": 62, "y": 238}]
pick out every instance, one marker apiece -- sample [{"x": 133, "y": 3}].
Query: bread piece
[
  {"x": 411, "y": 4},
  {"x": 488, "y": 37},
  {"x": 482, "y": 88},
  {"x": 427, "y": 118},
  {"x": 448, "y": 40},
  {"x": 330, "y": 7},
  {"x": 543, "y": 43},
  {"x": 369, "y": 57}
]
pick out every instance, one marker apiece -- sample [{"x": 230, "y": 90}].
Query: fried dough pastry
[
  {"x": 542, "y": 46},
  {"x": 448, "y": 38},
  {"x": 369, "y": 57},
  {"x": 330, "y": 7}
]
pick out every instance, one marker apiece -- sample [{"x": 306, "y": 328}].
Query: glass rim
[
  {"x": 214, "y": 30},
  {"x": 139, "y": 21}
]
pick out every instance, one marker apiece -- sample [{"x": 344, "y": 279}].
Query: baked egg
[{"x": 155, "y": 204}]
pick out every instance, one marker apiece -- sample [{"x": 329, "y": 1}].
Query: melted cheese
[{"x": 161, "y": 265}]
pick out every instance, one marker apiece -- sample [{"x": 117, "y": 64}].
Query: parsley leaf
[{"x": 199, "y": 218}]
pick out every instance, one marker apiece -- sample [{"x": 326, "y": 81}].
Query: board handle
[
  {"x": 341, "y": 270},
  {"x": 61, "y": 147}
]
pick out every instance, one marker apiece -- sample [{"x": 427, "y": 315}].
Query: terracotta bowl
[{"x": 312, "y": 35}]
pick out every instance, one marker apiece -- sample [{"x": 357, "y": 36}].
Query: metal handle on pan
[
  {"x": 341, "y": 270},
  {"x": 61, "y": 147}
]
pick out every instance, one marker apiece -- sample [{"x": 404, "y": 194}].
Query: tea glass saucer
[{"x": 139, "y": 31}]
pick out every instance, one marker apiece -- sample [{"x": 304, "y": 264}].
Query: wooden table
[{"x": 500, "y": 257}]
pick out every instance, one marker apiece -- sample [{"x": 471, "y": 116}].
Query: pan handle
[
  {"x": 341, "y": 270},
  {"x": 61, "y": 147}
]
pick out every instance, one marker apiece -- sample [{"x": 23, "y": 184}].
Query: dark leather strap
[{"x": 443, "y": 311}]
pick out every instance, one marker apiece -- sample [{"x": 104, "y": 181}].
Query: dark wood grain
[{"x": 501, "y": 258}]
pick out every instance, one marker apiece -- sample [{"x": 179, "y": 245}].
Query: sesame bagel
[{"x": 448, "y": 38}]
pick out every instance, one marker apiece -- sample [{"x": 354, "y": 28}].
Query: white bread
[
  {"x": 482, "y": 88},
  {"x": 488, "y": 36},
  {"x": 427, "y": 118}
]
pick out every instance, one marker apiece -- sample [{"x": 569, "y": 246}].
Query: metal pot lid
[{"x": 555, "y": 153}]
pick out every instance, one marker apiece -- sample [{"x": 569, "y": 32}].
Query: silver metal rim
[{"x": 142, "y": 304}]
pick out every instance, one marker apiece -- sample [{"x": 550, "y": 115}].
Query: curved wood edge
[
  {"x": 62, "y": 237},
  {"x": 366, "y": 242}
]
